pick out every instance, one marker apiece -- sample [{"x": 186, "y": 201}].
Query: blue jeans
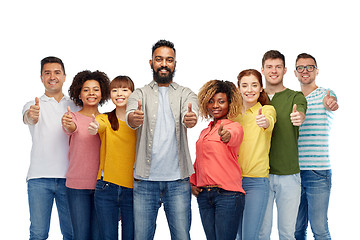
[
  {"x": 41, "y": 195},
  {"x": 256, "y": 199},
  {"x": 83, "y": 215},
  {"x": 220, "y": 212},
  {"x": 285, "y": 190},
  {"x": 176, "y": 197},
  {"x": 109, "y": 200},
  {"x": 314, "y": 204}
]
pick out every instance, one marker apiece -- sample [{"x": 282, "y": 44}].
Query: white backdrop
[{"x": 213, "y": 41}]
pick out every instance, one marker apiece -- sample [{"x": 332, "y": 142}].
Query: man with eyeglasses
[{"x": 315, "y": 169}]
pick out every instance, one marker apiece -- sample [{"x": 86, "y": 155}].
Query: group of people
[{"x": 263, "y": 144}]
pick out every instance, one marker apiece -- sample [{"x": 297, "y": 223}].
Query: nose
[{"x": 216, "y": 105}]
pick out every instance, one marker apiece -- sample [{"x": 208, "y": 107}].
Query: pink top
[
  {"x": 216, "y": 162},
  {"x": 84, "y": 155}
]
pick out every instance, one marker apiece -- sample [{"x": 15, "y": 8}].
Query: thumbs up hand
[
  {"x": 224, "y": 134},
  {"x": 190, "y": 118},
  {"x": 330, "y": 102},
  {"x": 297, "y": 118},
  {"x": 93, "y": 126},
  {"x": 261, "y": 120},
  {"x": 136, "y": 118},
  {"x": 67, "y": 121},
  {"x": 32, "y": 115}
]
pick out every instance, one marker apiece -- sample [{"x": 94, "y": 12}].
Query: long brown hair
[
  {"x": 119, "y": 82},
  {"x": 263, "y": 98}
]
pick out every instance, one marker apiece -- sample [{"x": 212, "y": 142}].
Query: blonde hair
[{"x": 213, "y": 87}]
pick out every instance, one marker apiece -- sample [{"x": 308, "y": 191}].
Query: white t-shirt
[{"x": 50, "y": 145}]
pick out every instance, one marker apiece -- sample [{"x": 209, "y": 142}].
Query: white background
[{"x": 213, "y": 41}]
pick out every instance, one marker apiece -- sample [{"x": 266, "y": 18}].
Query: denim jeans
[
  {"x": 220, "y": 212},
  {"x": 41, "y": 195},
  {"x": 315, "y": 194},
  {"x": 256, "y": 199},
  {"x": 176, "y": 197},
  {"x": 83, "y": 215},
  {"x": 285, "y": 190},
  {"x": 109, "y": 200}
]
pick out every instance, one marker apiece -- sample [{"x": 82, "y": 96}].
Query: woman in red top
[{"x": 217, "y": 179}]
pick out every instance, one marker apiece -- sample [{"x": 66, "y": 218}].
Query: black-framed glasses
[{"x": 308, "y": 68}]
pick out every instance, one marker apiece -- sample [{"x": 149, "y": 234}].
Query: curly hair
[
  {"x": 213, "y": 87},
  {"x": 81, "y": 78}
]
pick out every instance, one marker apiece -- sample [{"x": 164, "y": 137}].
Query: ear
[
  {"x": 285, "y": 70},
  {"x": 262, "y": 71},
  {"x": 150, "y": 62}
]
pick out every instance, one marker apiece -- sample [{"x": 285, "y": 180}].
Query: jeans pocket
[
  {"x": 322, "y": 173},
  {"x": 101, "y": 185}
]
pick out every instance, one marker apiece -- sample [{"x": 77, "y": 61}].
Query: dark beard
[{"x": 163, "y": 80}]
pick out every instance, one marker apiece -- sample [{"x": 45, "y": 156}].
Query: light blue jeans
[
  {"x": 314, "y": 204},
  {"x": 285, "y": 190},
  {"x": 41, "y": 195},
  {"x": 256, "y": 199},
  {"x": 176, "y": 197}
]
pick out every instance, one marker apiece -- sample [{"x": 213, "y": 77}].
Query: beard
[{"x": 163, "y": 79}]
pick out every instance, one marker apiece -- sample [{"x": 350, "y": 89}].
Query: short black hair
[
  {"x": 305, "y": 55},
  {"x": 163, "y": 43},
  {"x": 51, "y": 59}
]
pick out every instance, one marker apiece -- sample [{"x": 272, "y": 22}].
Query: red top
[{"x": 216, "y": 162}]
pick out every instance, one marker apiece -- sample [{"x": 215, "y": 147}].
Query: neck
[
  {"x": 308, "y": 88},
  {"x": 89, "y": 110},
  {"x": 247, "y": 105},
  {"x": 120, "y": 113},
  {"x": 272, "y": 89},
  {"x": 58, "y": 95}
]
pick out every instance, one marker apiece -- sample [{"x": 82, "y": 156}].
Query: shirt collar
[
  {"x": 47, "y": 99},
  {"x": 255, "y": 108},
  {"x": 174, "y": 85}
]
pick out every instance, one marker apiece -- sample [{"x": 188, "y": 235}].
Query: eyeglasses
[{"x": 308, "y": 68}]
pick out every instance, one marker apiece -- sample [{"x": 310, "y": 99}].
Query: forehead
[
  {"x": 164, "y": 52},
  {"x": 220, "y": 95},
  {"x": 305, "y": 61},
  {"x": 249, "y": 79},
  {"x": 91, "y": 83},
  {"x": 273, "y": 62},
  {"x": 52, "y": 67}
]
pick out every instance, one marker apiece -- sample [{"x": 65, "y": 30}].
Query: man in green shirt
[{"x": 284, "y": 177}]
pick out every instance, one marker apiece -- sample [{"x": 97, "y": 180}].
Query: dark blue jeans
[
  {"x": 109, "y": 200},
  {"x": 220, "y": 212},
  {"x": 82, "y": 212}
]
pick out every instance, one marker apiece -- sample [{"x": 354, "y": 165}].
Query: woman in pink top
[
  {"x": 217, "y": 179},
  {"x": 88, "y": 90}
]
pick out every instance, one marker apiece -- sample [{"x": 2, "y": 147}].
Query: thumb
[
  {"x": 260, "y": 111},
  {"x": 68, "y": 109},
  {"x": 294, "y": 108},
  {"x": 220, "y": 128},
  {"x": 139, "y": 105},
  {"x": 190, "y": 107},
  {"x": 328, "y": 93},
  {"x": 93, "y": 118},
  {"x": 37, "y": 101}
]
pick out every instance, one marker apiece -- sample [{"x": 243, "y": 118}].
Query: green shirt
[{"x": 284, "y": 142}]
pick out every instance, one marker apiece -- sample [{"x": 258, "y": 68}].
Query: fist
[
  {"x": 33, "y": 113},
  {"x": 67, "y": 121},
  {"x": 297, "y": 118},
  {"x": 190, "y": 118},
  {"x": 224, "y": 134},
  {"x": 93, "y": 126},
  {"x": 261, "y": 120}
]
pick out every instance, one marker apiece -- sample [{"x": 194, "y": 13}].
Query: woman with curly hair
[
  {"x": 217, "y": 180},
  {"x": 88, "y": 90},
  {"x": 114, "y": 188},
  {"x": 258, "y": 118}
]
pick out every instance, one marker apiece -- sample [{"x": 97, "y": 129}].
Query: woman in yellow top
[
  {"x": 258, "y": 119},
  {"x": 114, "y": 188}
]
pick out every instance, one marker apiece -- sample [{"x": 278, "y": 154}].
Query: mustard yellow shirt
[
  {"x": 117, "y": 152},
  {"x": 254, "y": 151}
]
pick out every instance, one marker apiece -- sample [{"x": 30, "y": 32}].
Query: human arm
[{"x": 330, "y": 102}]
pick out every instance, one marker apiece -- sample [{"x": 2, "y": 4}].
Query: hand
[
  {"x": 330, "y": 102},
  {"x": 136, "y": 118},
  {"x": 297, "y": 118},
  {"x": 93, "y": 126},
  {"x": 224, "y": 134},
  {"x": 195, "y": 190},
  {"x": 32, "y": 115},
  {"x": 67, "y": 121},
  {"x": 190, "y": 118},
  {"x": 261, "y": 120}
]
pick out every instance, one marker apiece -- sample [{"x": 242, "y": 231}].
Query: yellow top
[
  {"x": 117, "y": 152},
  {"x": 254, "y": 150}
]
